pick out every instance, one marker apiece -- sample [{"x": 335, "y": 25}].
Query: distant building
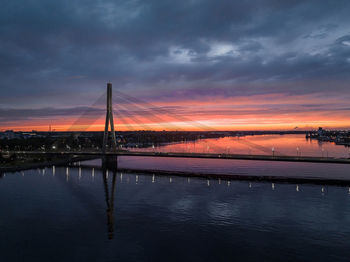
[
  {"x": 27, "y": 135},
  {"x": 320, "y": 131},
  {"x": 9, "y": 134}
]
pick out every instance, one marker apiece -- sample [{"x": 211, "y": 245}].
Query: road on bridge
[{"x": 310, "y": 159}]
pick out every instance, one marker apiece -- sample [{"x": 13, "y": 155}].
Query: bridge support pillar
[
  {"x": 109, "y": 121},
  {"x": 110, "y": 163}
]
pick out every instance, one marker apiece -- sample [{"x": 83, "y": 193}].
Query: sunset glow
[{"x": 274, "y": 112}]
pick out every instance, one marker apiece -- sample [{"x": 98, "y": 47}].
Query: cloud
[
  {"x": 13, "y": 115},
  {"x": 278, "y": 109},
  {"x": 61, "y": 53}
]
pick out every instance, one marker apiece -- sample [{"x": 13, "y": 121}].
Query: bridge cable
[
  {"x": 151, "y": 116},
  {"x": 154, "y": 117},
  {"x": 121, "y": 118},
  {"x": 133, "y": 118},
  {"x": 163, "y": 111},
  {"x": 83, "y": 120},
  {"x": 151, "y": 107}
]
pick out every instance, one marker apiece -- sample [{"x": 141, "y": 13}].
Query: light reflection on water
[
  {"x": 283, "y": 145},
  {"x": 293, "y": 145},
  {"x": 72, "y": 214}
]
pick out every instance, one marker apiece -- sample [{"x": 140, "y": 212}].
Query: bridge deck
[{"x": 195, "y": 155}]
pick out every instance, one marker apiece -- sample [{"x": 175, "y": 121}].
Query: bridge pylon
[{"x": 109, "y": 121}]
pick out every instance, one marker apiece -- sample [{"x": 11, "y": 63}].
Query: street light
[{"x": 273, "y": 151}]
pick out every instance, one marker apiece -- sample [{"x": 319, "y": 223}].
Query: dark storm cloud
[
  {"x": 64, "y": 51},
  {"x": 10, "y": 114}
]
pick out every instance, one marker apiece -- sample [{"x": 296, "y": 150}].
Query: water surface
[
  {"x": 292, "y": 145},
  {"x": 282, "y": 144},
  {"x": 85, "y": 214},
  {"x": 73, "y": 215}
]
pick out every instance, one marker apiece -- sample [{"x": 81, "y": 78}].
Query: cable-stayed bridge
[{"x": 142, "y": 110}]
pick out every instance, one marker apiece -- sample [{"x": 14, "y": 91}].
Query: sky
[{"x": 199, "y": 64}]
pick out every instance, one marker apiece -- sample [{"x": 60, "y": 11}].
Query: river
[{"x": 85, "y": 214}]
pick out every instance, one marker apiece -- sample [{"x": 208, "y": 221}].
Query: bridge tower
[{"x": 109, "y": 121}]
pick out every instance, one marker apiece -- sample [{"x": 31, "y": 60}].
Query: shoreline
[
  {"x": 28, "y": 166},
  {"x": 229, "y": 177},
  {"x": 160, "y": 172}
]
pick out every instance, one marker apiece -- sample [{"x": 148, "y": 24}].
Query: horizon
[{"x": 53, "y": 130}]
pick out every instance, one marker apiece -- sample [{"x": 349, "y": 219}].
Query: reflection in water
[
  {"x": 161, "y": 218},
  {"x": 292, "y": 145},
  {"x": 67, "y": 174},
  {"x": 109, "y": 201}
]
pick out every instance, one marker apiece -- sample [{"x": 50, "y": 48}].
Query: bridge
[
  {"x": 109, "y": 150},
  {"x": 101, "y": 154}
]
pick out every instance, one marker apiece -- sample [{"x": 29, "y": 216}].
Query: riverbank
[
  {"x": 33, "y": 165},
  {"x": 228, "y": 177}
]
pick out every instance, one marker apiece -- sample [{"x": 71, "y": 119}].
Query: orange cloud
[{"x": 260, "y": 112}]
